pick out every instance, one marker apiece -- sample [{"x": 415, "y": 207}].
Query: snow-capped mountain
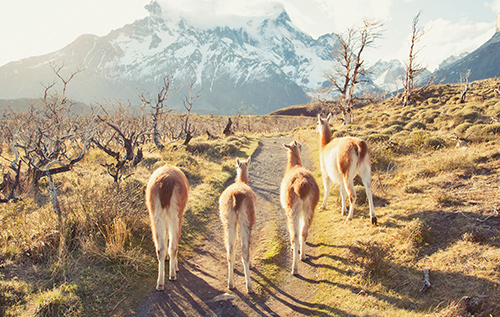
[
  {"x": 258, "y": 63},
  {"x": 452, "y": 59},
  {"x": 387, "y": 75}
]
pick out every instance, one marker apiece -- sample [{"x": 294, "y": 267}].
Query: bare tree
[
  {"x": 227, "y": 130},
  {"x": 159, "y": 106},
  {"x": 10, "y": 184},
  {"x": 349, "y": 70},
  {"x": 464, "y": 85},
  {"x": 188, "y": 129},
  {"x": 120, "y": 137},
  {"x": 49, "y": 138},
  {"x": 413, "y": 68}
]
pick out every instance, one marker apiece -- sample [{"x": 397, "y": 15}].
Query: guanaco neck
[
  {"x": 325, "y": 135},
  {"x": 293, "y": 159},
  {"x": 242, "y": 176}
]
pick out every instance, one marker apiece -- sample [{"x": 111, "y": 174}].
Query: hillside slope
[{"x": 483, "y": 63}]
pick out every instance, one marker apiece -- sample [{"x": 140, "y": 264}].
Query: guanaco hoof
[
  {"x": 374, "y": 221},
  {"x": 160, "y": 287}
]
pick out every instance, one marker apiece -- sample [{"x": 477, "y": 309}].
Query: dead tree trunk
[
  {"x": 227, "y": 130},
  {"x": 464, "y": 85},
  {"x": 426, "y": 283}
]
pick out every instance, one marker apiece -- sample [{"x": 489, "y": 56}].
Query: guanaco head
[
  {"x": 323, "y": 123},
  {"x": 294, "y": 146},
  {"x": 294, "y": 149},
  {"x": 242, "y": 170}
]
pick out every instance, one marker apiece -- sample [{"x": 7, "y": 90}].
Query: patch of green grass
[
  {"x": 272, "y": 254},
  {"x": 14, "y": 294},
  {"x": 60, "y": 301}
]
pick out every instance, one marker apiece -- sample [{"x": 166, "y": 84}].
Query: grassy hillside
[
  {"x": 435, "y": 203},
  {"x": 110, "y": 252},
  {"x": 437, "y": 207}
]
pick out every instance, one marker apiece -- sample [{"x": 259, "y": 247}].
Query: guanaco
[
  {"x": 237, "y": 210},
  {"x": 299, "y": 197},
  {"x": 166, "y": 198},
  {"x": 341, "y": 160}
]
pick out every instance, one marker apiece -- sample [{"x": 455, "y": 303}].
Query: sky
[{"x": 450, "y": 27}]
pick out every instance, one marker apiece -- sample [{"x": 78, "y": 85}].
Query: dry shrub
[
  {"x": 371, "y": 257},
  {"x": 412, "y": 237},
  {"x": 382, "y": 158},
  {"x": 415, "y": 125},
  {"x": 149, "y": 163},
  {"x": 475, "y": 233},
  {"x": 443, "y": 198},
  {"x": 434, "y": 143},
  {"x": 409, "y": 189},
  {"x": 218, "y": 149},
  {"x": 461, "y": 128},
  {"x": 376, "y": 138},
  {"x": 116, "y": 236},
  {"x": 13, "y": 293},
  {"x": 416, "y": 140},
  {"x": 467, "y": 306},
  {"x": 393, "y": 129},
  {"x": 60, "y": 301}
]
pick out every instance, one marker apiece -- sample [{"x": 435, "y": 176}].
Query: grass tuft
[{"x": 60, "y": 301}]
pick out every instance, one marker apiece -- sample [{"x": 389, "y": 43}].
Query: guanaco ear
[
  {"x": 296, "y": 144},
  {"x": 286, "y": 146},
  {"x": 237, "y": 162},
  {"x": 248, "y": 160},
  {"x": 319, "y": 118},
  {"x": 329, "y": 117}
]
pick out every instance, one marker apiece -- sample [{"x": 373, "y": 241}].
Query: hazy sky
[{"x": 34, "y": 27}]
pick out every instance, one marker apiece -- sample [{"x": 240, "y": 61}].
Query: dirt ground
[{"x": 201, "y": 286}]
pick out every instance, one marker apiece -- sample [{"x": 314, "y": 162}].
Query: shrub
[
  {"x": 434, "y": 143},
  {"x": 371, "y": 257},
  {"x": 382, "y": 157},
  {"x": 411, "y": 189},
  {"x": 376, "y": 138},
  {"x": 475, "y": 233},
  {"x": 61, "y": 301},
  {"x": 392, "y": 129},
  {"x": 397, "y": 123},
  {"x": 461, "y": 128},
  {"x": 414, "y": 235},
  {"x": 443, "y": 198},
  {"x": 414, "y": 125},
  {"x": 12, "y": 293},
  {"x": 416, "y": 139},
  {"x": 149, "y": 162}
]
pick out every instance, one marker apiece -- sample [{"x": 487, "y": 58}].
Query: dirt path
[{"x": 201, "y": 288}]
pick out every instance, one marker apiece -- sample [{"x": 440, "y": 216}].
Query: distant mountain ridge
[
  {"x": 254, "y": 64},
  {"x": 259, "y": 63},
  {"x": 483, "y": 63}
]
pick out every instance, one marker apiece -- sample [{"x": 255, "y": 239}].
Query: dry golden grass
[
  {"x": 432, "y": 199},
  {"x": 109, "y": 247}
]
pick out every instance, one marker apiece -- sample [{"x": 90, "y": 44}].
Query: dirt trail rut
[{"x": 201, "y": 288}]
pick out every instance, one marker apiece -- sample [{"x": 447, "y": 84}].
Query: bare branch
[
  {"x": 413, "y": 69},
  {"x": 348, "y": 70}
]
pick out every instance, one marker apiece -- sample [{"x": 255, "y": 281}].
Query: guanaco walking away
[
  {"x": 237, "y": 210},
  {"x": 166, "y": 199},
  {"x": 299, "y": 197}
]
